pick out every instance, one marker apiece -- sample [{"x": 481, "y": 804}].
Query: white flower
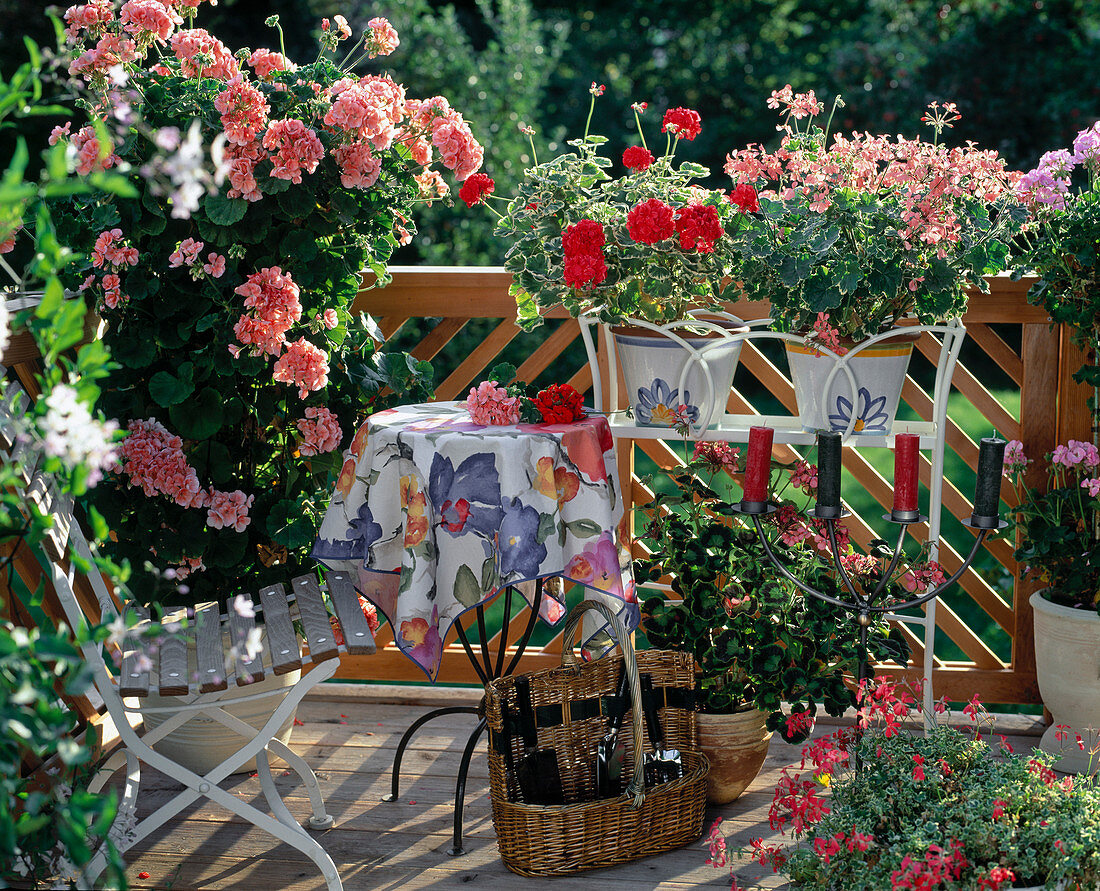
[
  {"x": 243, "y": 607},
  {"x": 254, "y": 643},
  {"x": 69, "y": 432}
]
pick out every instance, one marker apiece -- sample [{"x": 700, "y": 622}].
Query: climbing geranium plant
[{"x": 227, "y": 284}]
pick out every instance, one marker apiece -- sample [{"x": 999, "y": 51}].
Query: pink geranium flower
[
  {"x": 320, "y": 431},
  {"x": 489, "y": 404},
  {"x": 303, "y": 365},
  {"x": 294, "y": 147}
]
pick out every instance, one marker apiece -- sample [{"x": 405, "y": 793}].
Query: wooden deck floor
[{"x": 349, "y": 735}]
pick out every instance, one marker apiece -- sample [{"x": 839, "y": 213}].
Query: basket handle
[{"x": 636, "y": 786}]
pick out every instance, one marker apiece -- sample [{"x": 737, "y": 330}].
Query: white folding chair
[{"x": 164, "y": 668}]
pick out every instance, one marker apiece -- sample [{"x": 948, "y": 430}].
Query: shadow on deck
[{"x": 348, "y": 735}]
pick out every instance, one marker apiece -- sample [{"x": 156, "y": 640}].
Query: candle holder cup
[{"x": 752, "y": 508}]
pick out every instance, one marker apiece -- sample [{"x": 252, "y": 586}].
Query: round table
[{"x": 433, "y": 515}]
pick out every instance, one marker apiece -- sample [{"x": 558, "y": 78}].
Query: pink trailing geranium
[
  {"x": 1056, "y": 518},
  {"x": 262, "y": 190},
  {"x": 868, "y": 228}
]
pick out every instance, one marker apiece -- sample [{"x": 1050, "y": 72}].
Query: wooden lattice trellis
[{"x": 1051, "y": 410}]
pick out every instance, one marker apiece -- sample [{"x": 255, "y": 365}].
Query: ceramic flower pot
[
  {"x": 1067, "y": 665},
  {"x": 202, "y": 743},
  {"x": 736, "y": 746},
  {"x": 826, "y": 397},
  {"x": 653, "y": 364}
]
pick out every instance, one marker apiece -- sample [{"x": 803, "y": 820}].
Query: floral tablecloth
[{"x": 435, "y": 514}]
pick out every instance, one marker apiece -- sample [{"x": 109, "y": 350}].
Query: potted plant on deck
[
  {"x": 858, "y": 234},
  {"x": 636, "y": 244},
  {"x": 243, "y": 375},
  {"x": 757, "y": 640},
  {"x": 1059, "y": 543},
  {"x": 1059, "y": 515},
  {"x": 887, "y": 807}
]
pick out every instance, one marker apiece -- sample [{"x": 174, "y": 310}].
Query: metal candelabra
[{"x": 864, "y": 604}]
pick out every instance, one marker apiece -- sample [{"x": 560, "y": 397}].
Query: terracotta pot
[
  {"x": 1067, "y": 667},
  {"x": 736, "y": 746}
]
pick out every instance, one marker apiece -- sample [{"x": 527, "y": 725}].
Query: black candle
[
  {"x": 987, "y": 491},
  {"x": 828, "y": 471}
]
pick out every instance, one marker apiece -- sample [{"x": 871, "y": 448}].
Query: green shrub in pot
[{"x": 757, "y": 639}]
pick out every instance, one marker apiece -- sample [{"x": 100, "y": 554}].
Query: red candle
[
  {"x": 906, "y": 449},
  {"x": 758, "y": 465}
]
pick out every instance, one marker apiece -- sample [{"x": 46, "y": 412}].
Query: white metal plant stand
[{"x": 714, "y": 423}]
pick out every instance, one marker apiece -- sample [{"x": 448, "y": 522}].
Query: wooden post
[
  {"x": 1039, "y": 429},
  {"x": 1074, "y": 416}
]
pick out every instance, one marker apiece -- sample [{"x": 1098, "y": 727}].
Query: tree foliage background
[{"x": 1021, "y": 71}]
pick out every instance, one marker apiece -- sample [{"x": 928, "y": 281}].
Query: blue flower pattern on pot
[
  {"x": 870, "y": 419},
  {"x": 657, "y": 405}
]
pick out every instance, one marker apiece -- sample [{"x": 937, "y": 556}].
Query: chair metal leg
[
  {"x": 321, "y": 819},
  {"x": 394, "y": 793},
  {"x": 460, "y": 786}
]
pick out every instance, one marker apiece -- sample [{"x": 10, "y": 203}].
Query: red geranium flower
[
  {"x": 560, "y": 404},
  {"x": 476, "y": 187},
  {"x": 585, "y": 269},
  {"x": 582, "y": 238},
  {"x": 744, "y": 196},
  {"x": 650, "y": 221},
  {"x": 683, "y": 122},
  {"x": 637, "y": 158},
  {"x": 698, "y": 227}
]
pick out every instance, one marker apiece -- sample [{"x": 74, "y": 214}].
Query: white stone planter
[
  {"x": 203, "y": 743},
  {"x": 1067, "y": 663},
  {"x": 654, "y": 364},
  {"x": 866, "y": 400}
]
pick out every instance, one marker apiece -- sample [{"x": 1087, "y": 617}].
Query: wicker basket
[{"x": 570, "y": 705}]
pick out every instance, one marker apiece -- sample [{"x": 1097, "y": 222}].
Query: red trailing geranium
[
  {"x": 560, "y": 404},
  {"x": 638, "y": 158},
  {"x": 650, "y": 221},
  {"x": 698, "y": 227},
  {"x": 682, "y": 122},
  {"x": 744, "y": 196},
  {"x": 476, "y": 188}
]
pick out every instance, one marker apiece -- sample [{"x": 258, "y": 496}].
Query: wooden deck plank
[{"x": 348, "y": 735}]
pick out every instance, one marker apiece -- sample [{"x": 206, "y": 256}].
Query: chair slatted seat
[{"x": 218, "y": 634}]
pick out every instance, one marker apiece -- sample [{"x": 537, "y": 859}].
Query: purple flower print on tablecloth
[
  {"x": 420, "y": 639},
  {"x": 362, "y": 532},
  {"x": 521, "y": 554},
  {"x": 598, "y": 566},
  {"x": 467, "y": 499}
]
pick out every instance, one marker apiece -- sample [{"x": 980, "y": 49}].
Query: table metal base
[{"x": 488, "y": 669}]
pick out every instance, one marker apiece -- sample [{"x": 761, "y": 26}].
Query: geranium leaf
[
  {"x": 224, "y": 211},
  {"x": 200, "y": 417},
  {"x": 167, "y": 389}
]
